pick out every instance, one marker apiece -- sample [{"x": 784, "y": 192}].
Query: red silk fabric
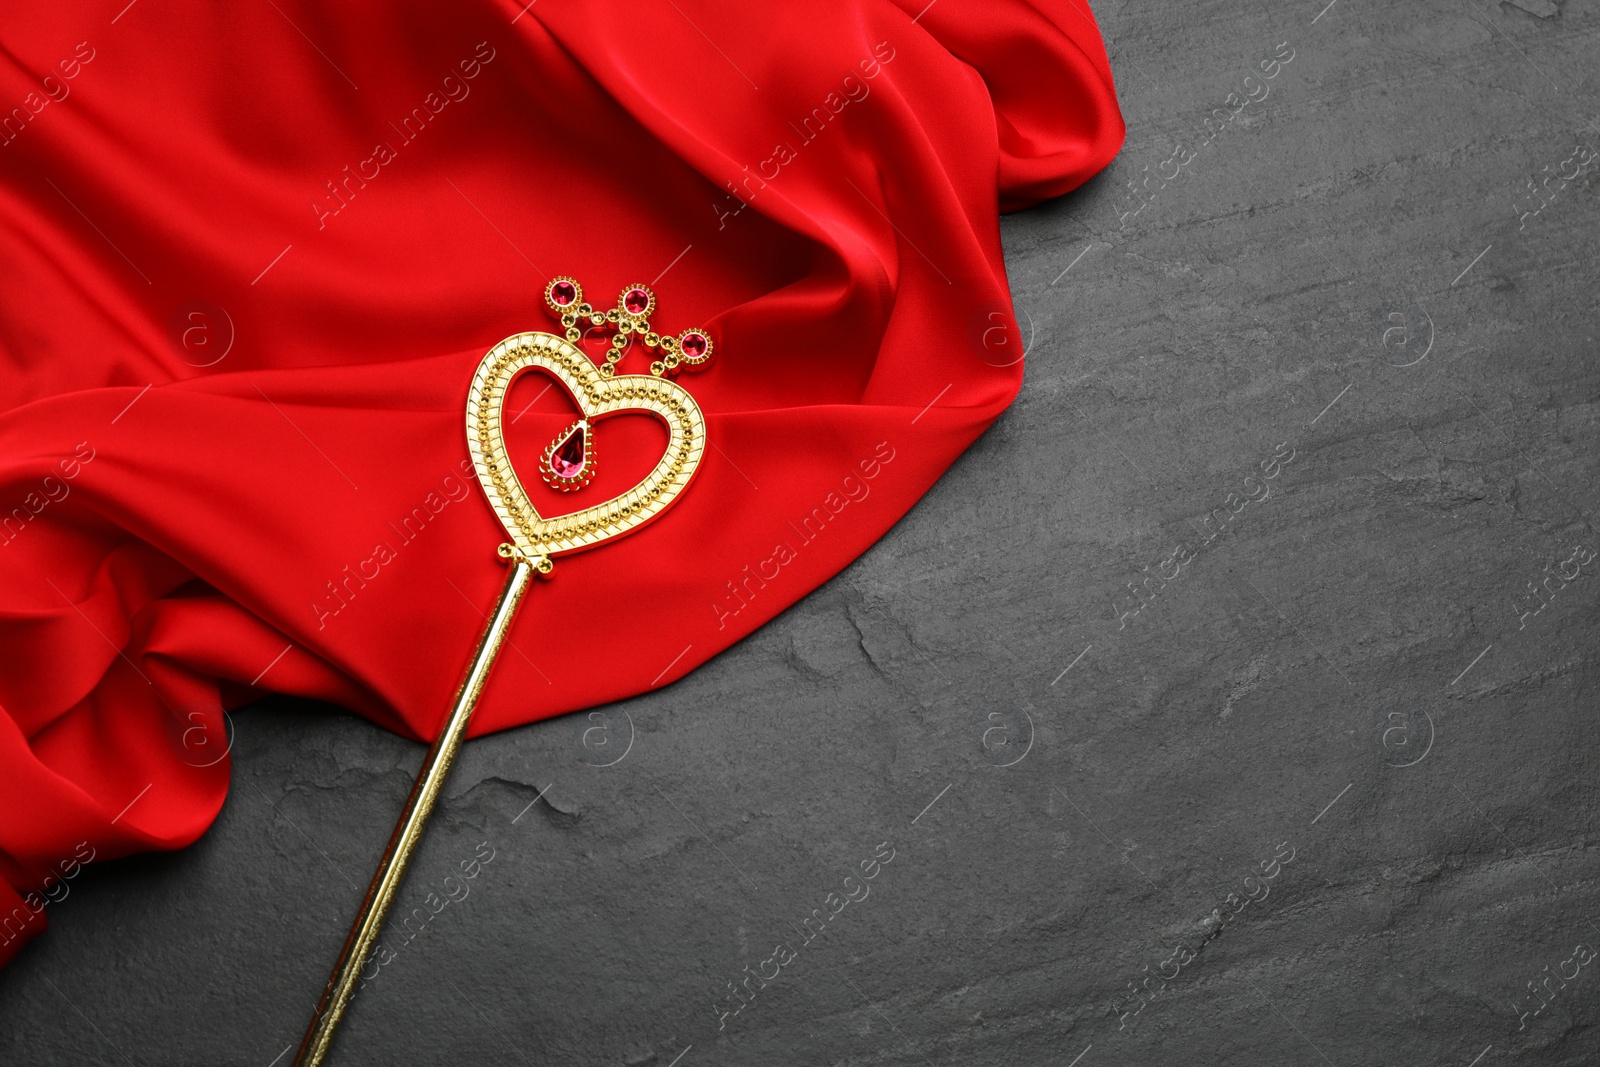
[{"x": 253, "y": 253}]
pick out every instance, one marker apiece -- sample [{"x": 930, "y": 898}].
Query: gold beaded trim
[{"x": 597, "y": 395}]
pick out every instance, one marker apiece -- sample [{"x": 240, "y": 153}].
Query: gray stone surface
[{"x": 1350, "y": 673}]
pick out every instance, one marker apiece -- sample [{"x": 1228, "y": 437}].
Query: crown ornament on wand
[
  {"x": 628, "y": 321},
  {"x": 568, "y": 462}
]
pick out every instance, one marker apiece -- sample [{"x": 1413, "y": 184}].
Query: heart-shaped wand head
[{"x": 599, "y": 392}]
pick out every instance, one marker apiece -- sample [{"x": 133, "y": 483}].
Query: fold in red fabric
[{"x": 252, "y": 256}]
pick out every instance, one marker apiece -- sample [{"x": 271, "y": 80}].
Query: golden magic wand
[{"x": 567, "y": 465}]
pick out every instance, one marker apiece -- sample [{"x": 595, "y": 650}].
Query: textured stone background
[{"x": 1352, "y": 674}]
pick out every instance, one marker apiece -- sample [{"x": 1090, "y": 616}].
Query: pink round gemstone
[
  {"x": 563, "y": 293},
  {"x": 569, "y": 458},
  {"x": 637, "y": 301},
  {"x": 694, "y": 345}
]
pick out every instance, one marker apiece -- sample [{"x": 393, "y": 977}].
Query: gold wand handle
[{"x": 408, "y": 832}]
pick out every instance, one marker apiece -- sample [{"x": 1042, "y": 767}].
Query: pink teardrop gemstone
[
  {"x": 637, "y": 301},
  {"x": 693, "y": 345},
  {"x": 571, "y": 455},
  {"x": 563, "y": 293}
]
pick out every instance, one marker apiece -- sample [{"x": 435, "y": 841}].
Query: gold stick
[{"x": 408, "y": 832}]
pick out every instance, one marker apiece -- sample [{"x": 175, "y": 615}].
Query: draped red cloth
[{"x": 253, "y": 253}]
